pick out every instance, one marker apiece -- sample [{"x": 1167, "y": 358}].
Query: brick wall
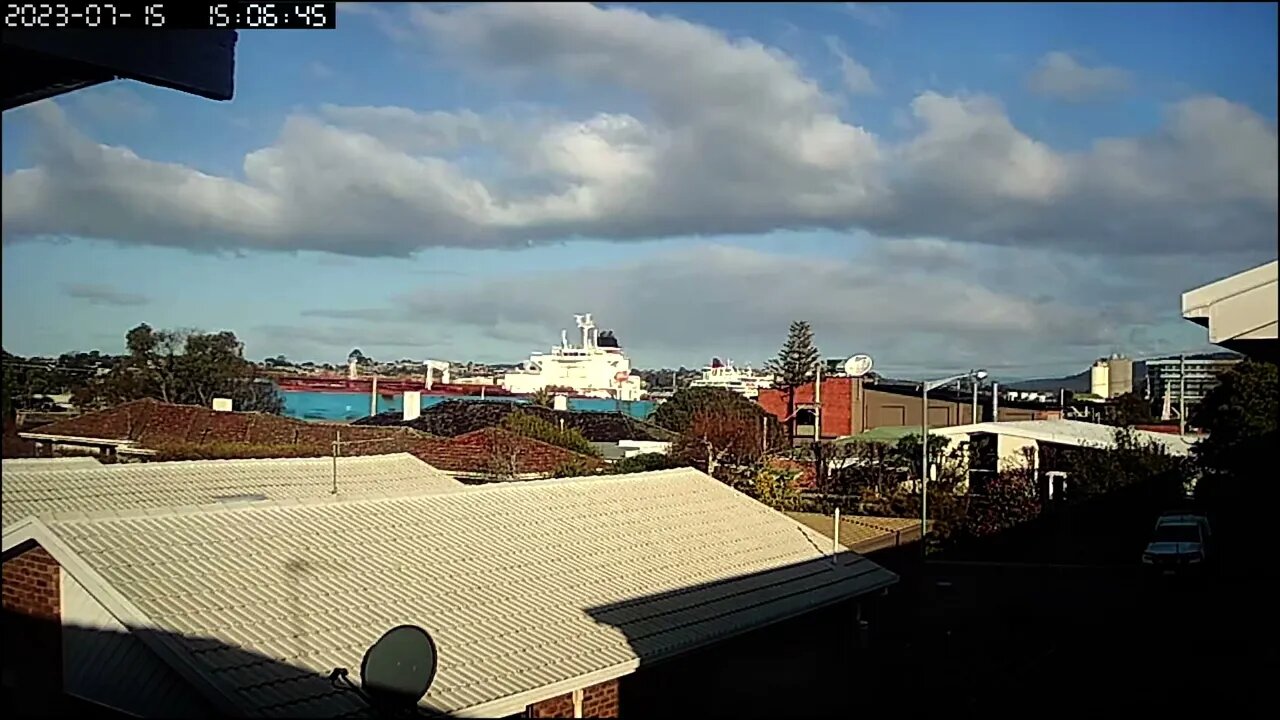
[
  {"x": 598, "y": 701},
  {"x": 32, "y": 619},
  {"x": 601, "y": 701}
]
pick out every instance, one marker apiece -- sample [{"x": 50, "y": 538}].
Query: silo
[
  {"x": 1099, "y": 379},
  {"x": 1120, "y": 371}
]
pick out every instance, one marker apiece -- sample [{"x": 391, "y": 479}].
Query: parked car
[{"x": 1180, "y": 541}]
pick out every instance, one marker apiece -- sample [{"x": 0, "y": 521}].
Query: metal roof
[
  {"x": 530, "y": 590},
  {"x": 58, "y": 463},
  {"x": 31, "y": 489},
  {"x": 1066, "y": 432}
]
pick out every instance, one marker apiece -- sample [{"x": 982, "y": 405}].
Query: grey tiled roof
[
  {"x": 32, "y": 489},
  {"x": 527, "y": 588}
]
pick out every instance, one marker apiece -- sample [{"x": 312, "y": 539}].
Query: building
[
  {"x": 1170, "y": 381},
  {"x": 1239, "y": 311},
  {"x": 1003, "y": 446},
  {"x": 851, "y": 406},
  {"x": 149, "y": 429},
  {"x": 552, "y": 598},
  {"x": 1111, "y": 376}
]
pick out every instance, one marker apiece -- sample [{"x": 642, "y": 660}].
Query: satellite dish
[
  {"x": 858, "y": 365},
  {"x": 398, "y": 669}
]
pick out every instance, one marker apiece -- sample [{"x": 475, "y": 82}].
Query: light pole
[{"x": 977, "y": 376}]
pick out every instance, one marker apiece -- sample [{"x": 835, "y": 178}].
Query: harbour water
[{"x": 353, "y": 406}]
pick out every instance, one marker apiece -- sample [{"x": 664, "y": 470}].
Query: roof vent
[{"x": 248, "y": 497}]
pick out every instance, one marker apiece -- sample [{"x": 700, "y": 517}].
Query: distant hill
[{"x": 1080, "y": 382}]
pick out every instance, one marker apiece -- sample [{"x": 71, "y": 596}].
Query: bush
[
  {"x": 529, "y": 426},
  {"x": 645, "y": 462}
]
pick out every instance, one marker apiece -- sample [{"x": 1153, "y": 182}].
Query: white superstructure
[
  {"x": 725, "y": 375},
  {"x": 595, "y": 369}
]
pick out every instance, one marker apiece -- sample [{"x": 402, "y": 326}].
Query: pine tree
[{"x": 795, "y": 365}]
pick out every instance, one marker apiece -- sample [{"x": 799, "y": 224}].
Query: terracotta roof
[
  {"x": 177, "y": 429},
  {"x": 473, "y": 451}
]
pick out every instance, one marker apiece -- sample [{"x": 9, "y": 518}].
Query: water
[{"x": 353, "y": 406}]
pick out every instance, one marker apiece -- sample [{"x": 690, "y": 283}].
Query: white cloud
[
  {"x": 100, "y": 294},
  {"x": 1059, "y": 75},
  {"x": 725, "y": 136},
  {"x": 114, "y": 102},
  {"x": 876, "y": 15},
  {"x": 856, "y": 76}
]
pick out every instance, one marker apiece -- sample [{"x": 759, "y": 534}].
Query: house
[
  {"x": 548, "y": 598},
  {"x": 851, "y": 406},
  {"x": 1239, "y": 311},
  {"x": 150, "y": 429},
  {"x": 36, "y": 487}
]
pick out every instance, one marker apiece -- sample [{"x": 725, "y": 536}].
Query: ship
[
  {"x": 597, "y": 368},
  {"x": 724, "y": 375}
]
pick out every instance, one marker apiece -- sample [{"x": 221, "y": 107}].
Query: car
[{"x": 1180, "y": 541}]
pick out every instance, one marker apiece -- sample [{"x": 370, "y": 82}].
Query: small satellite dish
[
  {"x": 398, "y": 669},
  {"x": 858, "y": 365}
]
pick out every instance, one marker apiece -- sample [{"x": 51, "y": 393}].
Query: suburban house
[
  {"x": 1003, "y": 446},
  {"x": 149, "y": 429},
  {"x": 576, "y": 597},
  {"x": 37, "y": 487},
  {"x": 1239, "y": 311}
]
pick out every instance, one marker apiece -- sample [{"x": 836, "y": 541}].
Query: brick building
[
  {"x": 850, "y": 406},
  {"x": 551, "y": 598}
]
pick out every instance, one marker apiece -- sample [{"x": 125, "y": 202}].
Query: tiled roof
[
  {"x": 529, "y": 589},
  {"x": 472, "y": 453},
  {"x": 150, "y": 424},
  {"x": 33, "y": 490},
  {"x": 863, "y": 533}
]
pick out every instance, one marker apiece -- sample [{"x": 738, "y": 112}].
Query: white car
[{"x": 1180, "y": 541}]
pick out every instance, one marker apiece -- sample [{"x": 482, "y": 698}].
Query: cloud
[
  {"x": 321, "y": 71},
  {"x": 961, "y": 303},
  {"x": 876, "y": 15},
  {"x": 726, "y": 136},
  {"x": 309, "y": 338},
  {"x": 1060, "y": 76},
  {"x": 114, "y": 103},
  {"x": 856, "y": 77},
  {"x": 105, "y": 295}
]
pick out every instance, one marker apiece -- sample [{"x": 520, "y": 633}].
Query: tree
[
  {"x": 184, "y": 367},
  {"x": 715, "y": 438},
  {"x": 1240, "y": 416},
  {"x": 644, "y": 462},
  {"x": 795, "y": 365},
  {"x": 676, "y": 414},
  {"x": 1128, "y": 410},
  {"x": 532, "y": 426},
  {"x": 541, "y": 398}
]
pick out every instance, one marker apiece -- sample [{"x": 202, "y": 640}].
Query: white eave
[{"x": 1238, "y": 308}]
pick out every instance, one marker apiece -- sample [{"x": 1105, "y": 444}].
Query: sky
[{"x": 1021, "y": 187}]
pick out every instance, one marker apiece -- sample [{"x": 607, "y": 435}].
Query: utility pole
[
  {"x": 1182, "y": 394},
  {"x": 973, "y": 414},
  {"x": 995, "y": 402}
]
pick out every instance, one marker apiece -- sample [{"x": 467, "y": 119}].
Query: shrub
[{"x": 530, "y": 426}]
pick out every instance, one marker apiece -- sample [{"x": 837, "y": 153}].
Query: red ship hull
[{"x": 386, "y": 386}]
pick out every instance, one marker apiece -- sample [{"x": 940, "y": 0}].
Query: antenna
[
  {"x": 396, "y": 671},
  {"x": 858, "y": 365}
]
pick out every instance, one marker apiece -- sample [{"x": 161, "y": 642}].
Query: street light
[{"x": 977, "y": 376}]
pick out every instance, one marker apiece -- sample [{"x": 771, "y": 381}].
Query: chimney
[
  {"x": 222, "y": 404},
  {"x": 412, "y": 404},
  {"x": 560, "y": 402}
]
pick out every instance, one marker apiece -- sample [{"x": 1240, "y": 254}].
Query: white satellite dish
[{"x": 858, "y": 365}]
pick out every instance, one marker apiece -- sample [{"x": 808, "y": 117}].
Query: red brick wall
[
  {"x": 837, "y": 404},
  {"x": 560, "y": 706},
  {"x": 598, "y": 701},
  {"x": 601, "y": 701},
  {"x": 32, "y": 618}
]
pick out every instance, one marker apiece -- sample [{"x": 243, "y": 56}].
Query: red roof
[{"x": 155, "y": 425}]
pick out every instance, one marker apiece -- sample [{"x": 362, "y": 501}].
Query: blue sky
[{"x": 1019, "y": 186}]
